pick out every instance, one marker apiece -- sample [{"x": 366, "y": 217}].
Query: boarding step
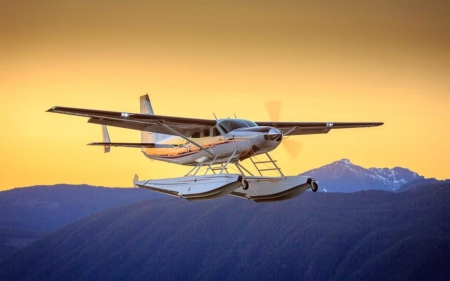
[
  {"x": 271, "y": 169},
  {"x": 262, "y": 162},
  {"x": 269, "y": 161}
]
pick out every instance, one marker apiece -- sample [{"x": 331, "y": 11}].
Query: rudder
[{"x": 146, "y": 108}]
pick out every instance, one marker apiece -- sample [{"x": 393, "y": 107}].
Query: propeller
[
  {"x": 293, "y": 146},
  {"x": 274, "y": 110}
]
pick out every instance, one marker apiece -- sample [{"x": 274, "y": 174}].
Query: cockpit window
[
  {"x": 250, "y": 123},
  {"x": 229, "y": 125}
]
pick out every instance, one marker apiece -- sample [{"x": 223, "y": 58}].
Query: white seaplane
[{"x": 210, "y": 146}]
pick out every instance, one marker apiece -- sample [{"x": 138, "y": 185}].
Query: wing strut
[{"x": 186, "y": 138}]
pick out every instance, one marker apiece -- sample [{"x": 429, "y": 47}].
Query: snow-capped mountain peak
[{"x": 344, "y": 176}]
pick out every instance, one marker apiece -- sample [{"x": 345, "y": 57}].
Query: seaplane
[{"x": 211, "y": 147}]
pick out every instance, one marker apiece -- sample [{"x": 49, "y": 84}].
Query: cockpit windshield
[{"x": 229, "y": 125}]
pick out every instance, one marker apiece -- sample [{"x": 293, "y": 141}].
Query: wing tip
[
  {"x": 97, "y": 143},
  {"x": 51, "y": 109}
]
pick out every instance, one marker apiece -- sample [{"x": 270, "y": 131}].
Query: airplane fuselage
[{"x": 243, "y": 143}]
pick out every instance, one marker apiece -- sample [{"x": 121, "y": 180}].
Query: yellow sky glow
[{"x": 324, "y": 60}]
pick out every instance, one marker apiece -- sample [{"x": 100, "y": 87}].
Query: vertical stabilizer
[
  {"x": 135, "y": 180},
  {"x": 146, "y": 108},
  {"x": 106, "y": 139}
]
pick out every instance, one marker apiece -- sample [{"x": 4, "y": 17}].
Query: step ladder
[{"x": 268, "y": 167}]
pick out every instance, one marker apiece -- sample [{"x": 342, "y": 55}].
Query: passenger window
[
  {"x": 196, "y": 135},
  {"x": 206, "y": 133}
]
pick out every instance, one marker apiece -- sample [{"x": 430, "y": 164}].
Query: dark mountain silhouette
[
  {"x": 343, "y": 176},
  {"x": 28, "y": 213},
  {"x": 421, "y": 182},
  {"x": 45, "y": 208},
  {"x": 368, "y": 235},
  {"x": 12, "y": 240}
]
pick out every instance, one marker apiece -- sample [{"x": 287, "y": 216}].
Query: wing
[
  {"x": 308, "y": 128},
  {"x": 132, "y": 144},
  {"x": 141, "y": 122}
]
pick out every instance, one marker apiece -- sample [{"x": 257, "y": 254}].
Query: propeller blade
[
  {"x": 274, "y": 110},
  {"x": 294, "y": 147}
]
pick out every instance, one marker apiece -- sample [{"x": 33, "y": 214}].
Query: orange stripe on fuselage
[{"x": 187, "y": 148}]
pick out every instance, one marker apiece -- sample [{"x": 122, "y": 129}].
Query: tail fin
[
  {"x": 106, "y": 139},
  {"x": 146, "y": 108},
  {"x": 135, "y": 180}
]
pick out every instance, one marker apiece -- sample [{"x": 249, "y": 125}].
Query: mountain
[
  {"x": 367, "y": 235},
  {"x": 421, "y": 182},
  {"x": 343, "y": 176},
  {"x": 28, "y": 213},
  {"x": 12, "y": 240},
  {"x": 45, "y": 208}
]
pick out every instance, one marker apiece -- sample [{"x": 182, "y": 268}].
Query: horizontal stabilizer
[{"x": 131, "y": 144}]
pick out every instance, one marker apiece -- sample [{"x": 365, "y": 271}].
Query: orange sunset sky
[{"x": 350, "y": 60}]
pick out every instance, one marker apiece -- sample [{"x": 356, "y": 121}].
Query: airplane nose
[
  {"x": 274, "y": 131},
  {"x": 274, "y": 134}
]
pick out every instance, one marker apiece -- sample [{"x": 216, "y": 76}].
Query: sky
[{"x": 329, "y": 61}]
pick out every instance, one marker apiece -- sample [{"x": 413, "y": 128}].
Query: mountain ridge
[
  {"x": 28, "y": 213},
  {"x": 344, "y": 176},
  {"x": 42, "y": 209},
  {"x": 45, "y": 208},
  {"x": 316, "y": 236}
]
